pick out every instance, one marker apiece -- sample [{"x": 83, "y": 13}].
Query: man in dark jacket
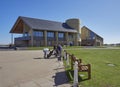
[{"x": 59, "y": 48}]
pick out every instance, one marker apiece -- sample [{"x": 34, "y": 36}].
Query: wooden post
[
  {"x": 65, "y": 55},
  {"x": 89, "y": 71},
  {"x": 68, "y": 63},
  {"x": 75, "y": 83},
  {"x": 72, "y": 62}
]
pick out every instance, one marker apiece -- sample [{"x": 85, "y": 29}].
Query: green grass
[
  {"x": 51, "y": 47},
  {"x": 64, "y": 47},
  {"x": 38, "y": 48},
  {"x": 102, "y": 74}
]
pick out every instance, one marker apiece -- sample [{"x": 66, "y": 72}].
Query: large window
[
  {"x": 60, "y": 35},
  {"x": 38, "y": 33},
  {"x": 92, "y": 35},
  {"x": 50, "y": 34},
  {"x": 26, "y": 34}
]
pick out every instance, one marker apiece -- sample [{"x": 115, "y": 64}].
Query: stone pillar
[
  {"x": 45, "y": 38},
  {"x": 66, "y": 37},
  {"x": 32, "y": 40},
  {"x": 75, "y": 39},
  {"x": 56, "y": 37},
  {"x": 12, "y": 39}
]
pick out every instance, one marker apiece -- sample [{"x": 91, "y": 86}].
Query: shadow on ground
[
  {"x": 39, "y": 58},
  {"x": 60, "y": 78},
  {"x": 44, "y": 58},
  {"x": 70, "y": 75}
]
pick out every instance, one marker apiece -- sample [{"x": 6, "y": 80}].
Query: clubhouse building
[
  {"x": 90, "y": 38},
  {"x": 39, "y": 32}
]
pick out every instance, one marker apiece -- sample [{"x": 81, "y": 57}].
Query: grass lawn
[
  {"x": 38, "y": 48},
  {"x": 51, "y": 47},
  {"x": 105, "y": 65}
]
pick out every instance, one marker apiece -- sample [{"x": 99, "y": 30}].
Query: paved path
[{"x": 29, "y": 69}]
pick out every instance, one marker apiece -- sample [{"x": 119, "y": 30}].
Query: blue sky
[{"x": 101, "y": 16}]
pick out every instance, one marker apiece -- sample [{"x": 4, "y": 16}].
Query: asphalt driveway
[{"x": 29, "y": 69}]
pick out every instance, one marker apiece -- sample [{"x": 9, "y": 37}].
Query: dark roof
[{"x": 40, "y": 24}]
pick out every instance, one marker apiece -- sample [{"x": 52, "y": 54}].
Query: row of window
[
  {"x": 49, "y": 34},
  {"x": 38, "y": 33}
]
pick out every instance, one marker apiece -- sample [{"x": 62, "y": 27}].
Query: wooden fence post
[
  {"x": 72, "y": 61},
  {"x": 75, "y": 83},
  {"x": 65, "y": 55},
  {"x": 67, "y": 61},
  {"x": 89, "y": 71}
]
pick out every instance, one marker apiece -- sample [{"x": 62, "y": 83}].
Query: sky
[{"x": 101, "y": 16}]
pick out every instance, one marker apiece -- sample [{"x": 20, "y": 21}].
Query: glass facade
[
  {"x": 60, "y": 35},
  {"x": 92, "y": 35},
  {"x": 38, "y": 33},
  {"x": 50, "y": 34}
]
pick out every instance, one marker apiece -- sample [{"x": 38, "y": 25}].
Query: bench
[
  {"x": 81, "y": 67},
  {"x": 73, "y": 59}
]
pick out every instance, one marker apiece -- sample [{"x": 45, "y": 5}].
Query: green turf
[
  {"x": 103, "y": 75},
  {"x": 38, "y": 48}
]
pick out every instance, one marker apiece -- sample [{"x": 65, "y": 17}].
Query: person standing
[
  {"x": 59, "y": 48},
  {"x": 55, "y": 51}
]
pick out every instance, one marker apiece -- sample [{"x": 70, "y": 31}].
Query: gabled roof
[
  {"x": 40, "y": 24},
  {"x": 91, "y": 31}
]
